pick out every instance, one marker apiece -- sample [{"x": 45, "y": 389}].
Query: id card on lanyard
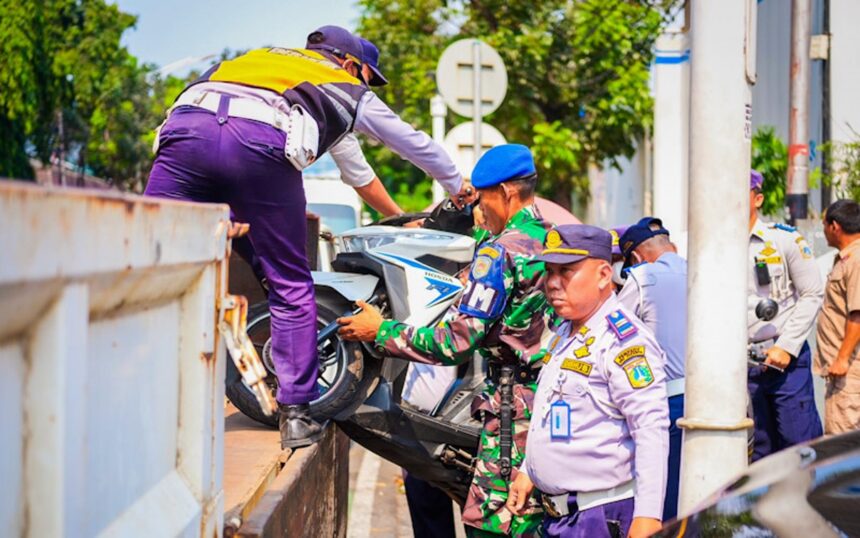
[{"x": 559, "y": 415}]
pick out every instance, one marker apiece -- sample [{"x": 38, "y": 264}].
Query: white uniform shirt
[
  {"x": 657, "y": 294},
  {"x": 796, "y": 285},
  {"x": 619, "y": 415}
]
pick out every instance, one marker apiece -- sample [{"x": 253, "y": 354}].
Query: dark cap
[
  {"x": 339, "y": 41},
  {"x": 570, "y": 243},
  {"x": 370, "y": 56},
  {"x": 640, "y": 232}
]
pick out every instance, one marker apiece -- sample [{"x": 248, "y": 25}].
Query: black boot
[{"x": 298, "y": 429}]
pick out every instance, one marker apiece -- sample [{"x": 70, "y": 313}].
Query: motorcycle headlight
[{"x": 361, "y": 243}]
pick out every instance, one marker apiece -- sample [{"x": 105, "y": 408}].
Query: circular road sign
[
  {"x": 455, "y": 77},
  {"x": 460, "y": 144}
]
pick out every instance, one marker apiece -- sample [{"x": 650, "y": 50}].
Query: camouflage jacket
[{"x": 501, "y": 316}]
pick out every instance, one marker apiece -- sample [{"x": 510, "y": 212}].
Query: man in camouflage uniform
[{"x": 500, "y": 316}]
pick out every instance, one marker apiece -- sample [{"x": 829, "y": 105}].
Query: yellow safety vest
[{"x": 303, "y": 77}]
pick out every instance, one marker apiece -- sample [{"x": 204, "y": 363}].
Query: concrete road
[{"x": 377, "y": 500}]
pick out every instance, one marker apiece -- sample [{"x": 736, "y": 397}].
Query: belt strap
[
  {"x": 239, "y": 107},
  {"x": 675, "y": 387},
  {"x": 557, "y": 504}
]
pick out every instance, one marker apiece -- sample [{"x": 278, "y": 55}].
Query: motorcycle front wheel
[{"x": 340, "y": 377}]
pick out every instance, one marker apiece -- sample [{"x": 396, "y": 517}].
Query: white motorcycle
[{"x": 411, "y": 274}]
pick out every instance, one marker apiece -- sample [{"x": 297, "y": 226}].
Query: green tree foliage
[
  {"x": 578, "y": 76},
  {"x": 770, "y": 157},
  {"x": 843, "y": 174},
  {"x": 71, "y": 88}
]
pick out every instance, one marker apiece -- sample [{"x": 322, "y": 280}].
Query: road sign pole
[{"x": 477, "y": 108}]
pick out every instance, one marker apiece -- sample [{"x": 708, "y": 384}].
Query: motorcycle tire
[{"x": 342, "y": 392}]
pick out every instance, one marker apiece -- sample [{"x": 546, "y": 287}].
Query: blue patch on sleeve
[
  {"x": 621, "y": 326},
  {"x": 485, "y": 296}
]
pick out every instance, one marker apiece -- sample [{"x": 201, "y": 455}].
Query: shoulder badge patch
[
  {"x": 805, "y": 251},
  {"x": 580, "y": 367},
  {"x": 629, "y": 353},
  {"x": 639, "y": 373},
  {"x": 620, "y": 325},
  {"x": 485, "y": 296}
]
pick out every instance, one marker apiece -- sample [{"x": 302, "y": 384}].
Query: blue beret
[{"x": 503, "y": 163}]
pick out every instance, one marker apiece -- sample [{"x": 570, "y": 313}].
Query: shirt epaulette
[
  {"x": 781, "y": 226},
  {"x": 621, "y": 325}
]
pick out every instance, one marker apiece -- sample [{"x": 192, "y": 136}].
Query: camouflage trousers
[{"x": 485, "y": 513}]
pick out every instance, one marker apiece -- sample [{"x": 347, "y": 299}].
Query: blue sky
[{"x": 168, "y": 31}]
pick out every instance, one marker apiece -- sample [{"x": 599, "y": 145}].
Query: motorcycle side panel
[
  {"x": 351, "y": 286},
  {"x": 427, "y": 294}
]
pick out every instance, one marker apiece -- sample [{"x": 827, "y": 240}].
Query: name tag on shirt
[{"x": 559, "y": 415}]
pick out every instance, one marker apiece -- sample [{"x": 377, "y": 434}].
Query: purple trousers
[
  {"x": 206, "y": 157},
  {"x": 611, "y": 520}
]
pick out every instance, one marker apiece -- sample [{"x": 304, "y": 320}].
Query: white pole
[
  {"x": 477, "y": 105},
  {"x": 671, "y": 131},
  {"x": 438, "y": 110},
  {"x": 797, "y": 191},
  {"x": 715, "y": 423}
]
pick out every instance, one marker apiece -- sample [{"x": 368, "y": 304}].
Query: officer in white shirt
[{"x": 656, "y": 291}]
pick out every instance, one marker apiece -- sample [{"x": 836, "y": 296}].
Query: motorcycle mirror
[{"x": 449, "y": 218}]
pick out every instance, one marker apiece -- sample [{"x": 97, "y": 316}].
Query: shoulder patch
[
  {"x": 485, "y": 296},
  {"x": 580, "y": 367},
  {"x": 621, "y": 326},
  {"x": 805, "y": 250},
  {"x": 629, "y": 353},
  {"x": 639, "y": 373}
]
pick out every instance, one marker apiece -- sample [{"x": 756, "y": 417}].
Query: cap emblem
[{"x": 553, "y": 239}]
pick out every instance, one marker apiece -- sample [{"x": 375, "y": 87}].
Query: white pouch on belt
[{"x": 303, "y": 137}]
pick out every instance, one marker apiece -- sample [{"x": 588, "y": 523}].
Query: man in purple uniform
[
  {"x": 241, "y": 134},
  {"x": 598, "y": 443}
]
